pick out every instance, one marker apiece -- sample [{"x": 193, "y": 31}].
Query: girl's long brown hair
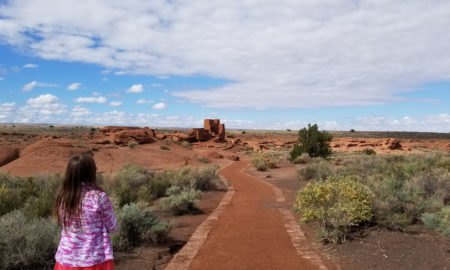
[{"x": 80, "y": 169}]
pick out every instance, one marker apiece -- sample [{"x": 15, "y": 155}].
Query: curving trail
[{"x": 251, "y": 232}]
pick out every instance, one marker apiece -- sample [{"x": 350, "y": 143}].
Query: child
[{"x": 87, "y": 216}]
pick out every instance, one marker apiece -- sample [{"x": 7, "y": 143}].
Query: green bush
[
  {"x": 313, "y": 142},
  {"x": 34, "y": 193},
  {"x": 265, "y": 160},
  {"x": 186, "y": 144},
  {"x": 317, "y": 169},
  {"x": 181, "y": 200},
  {"x": 369, "y": 152},
  {"x": 135, "y": 224},
  {"x": 438, "y": 221},
  {"x": 203, "y": 160},
  {"x": 131, "y": 182},
  {"x": 337, "y": 204},
  {"x": 164, "y": 147},
  {"x": 302, "y": 159},
  {"x": 405, "y": 187},
  {"x": 205, "y": 178},
  {"x": 27, "y": 243}
]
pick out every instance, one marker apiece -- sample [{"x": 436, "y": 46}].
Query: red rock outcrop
[
  {"x": 394, "y": 145},
  {"x": 124, "y": 135},
  {"x": 8, "y": 154}
]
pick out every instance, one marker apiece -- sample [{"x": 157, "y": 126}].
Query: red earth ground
[{"x": 380, "y": 249}]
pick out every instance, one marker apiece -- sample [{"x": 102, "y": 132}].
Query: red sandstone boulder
[
  {"x": 8, "y": 154},
  {"x": 395, "y": 145},
  {"x": 233, "y": 158},
  {"x": 215, "y": 155}
]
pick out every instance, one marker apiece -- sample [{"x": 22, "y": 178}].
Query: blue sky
[{"x": 367, "y": 65}]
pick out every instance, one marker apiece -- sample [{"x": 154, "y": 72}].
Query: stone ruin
[{"x": 212, "y": 129}]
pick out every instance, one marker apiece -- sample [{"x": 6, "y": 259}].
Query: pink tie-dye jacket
[{"x": 89, "y": 244}]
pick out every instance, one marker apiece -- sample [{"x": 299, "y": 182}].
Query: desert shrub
[
  {"x": 203, "y": 160},
  {"x": 37, "y": 192},
  {"x": 135, "y": 224},
  {"x": 164, "y": 147},
  {"x": 246, "y": 149},
  {"x": 405, "y": 187},
  {"x": 317, "y": 169},
  {"x": 313, "y": 142},
  {"x": 131, "y": 183},
  {"x": 302, "y": 159},
  {"x": 352, "y": 130},
  {"x": 191, "y": 177},
  {"x": 41, "y": 204},
  {"x": 186, "y": 144},
  {"x": 27, "y": 243},
  {"x": 132, "y": 144},
  {"x": 369, "y": 152},
  {"x": 265, "y": 160},
  {"x": 181, "y": 200},
  {"x": 338, "y": 204},
  {"x": 206, "y": 178},
  {"x": 438, "y": 221}
]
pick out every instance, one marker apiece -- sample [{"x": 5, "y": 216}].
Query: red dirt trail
[{"x": 250, "y": 233}]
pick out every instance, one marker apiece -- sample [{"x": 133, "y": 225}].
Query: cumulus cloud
[
  {"x": 41, "y": 109},
  {"x": 73, "y": 86},
  {"x": 159, "y": 106},
  {"x": 7, "y": 110},
  {"x": 284, "y": 54},
  {"x": 144, "y": 101},
  {"x": 30, "y": 66},
  {"x": 115, "y": 103},
  {"x": 135, "y": 88},
  {"x": 29, "y": 86},
  {"x": 98, "y": 99}
]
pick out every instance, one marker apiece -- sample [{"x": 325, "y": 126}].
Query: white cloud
[
  {"x": 79, "y": 112},
  {"x": 120, "y": 73},
  {"x": 115, "y": 103},
  {"x": 159, "y": 106},
  {"x": 44, "y": 108},
  {"x": 1, "y": 78},
  {"x": 283, "y": 54},
  {"x": 73, "y": 86},
  {"x": 96, "y": 94},
  {"x": 135, "y": 88},
  {"x": 7, "y": 110},
  {"x": 98, "y": 99},
  {"x": 30, "y": 66},
  {"x": 156, "y": 85},
  {"x": 29, "y": 86},
  {"x": 144, "y": 101}
]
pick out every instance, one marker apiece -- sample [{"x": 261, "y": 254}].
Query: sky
[{"x": 372, "y": 65}]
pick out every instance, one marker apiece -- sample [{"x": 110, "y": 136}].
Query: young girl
[{"x": 86, "y": 216}]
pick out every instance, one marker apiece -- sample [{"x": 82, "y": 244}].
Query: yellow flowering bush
[{"x": 338, "y": 204}]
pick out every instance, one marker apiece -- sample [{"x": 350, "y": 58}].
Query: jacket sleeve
[{"x": 108, "y": 216}]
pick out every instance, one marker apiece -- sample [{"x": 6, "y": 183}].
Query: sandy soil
[{"x": 250, "y": 234}]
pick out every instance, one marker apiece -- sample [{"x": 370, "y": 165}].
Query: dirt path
[{"x": 251, "y": 232}]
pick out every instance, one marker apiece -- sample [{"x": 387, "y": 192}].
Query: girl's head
[{"x": 81, "y": 170}]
